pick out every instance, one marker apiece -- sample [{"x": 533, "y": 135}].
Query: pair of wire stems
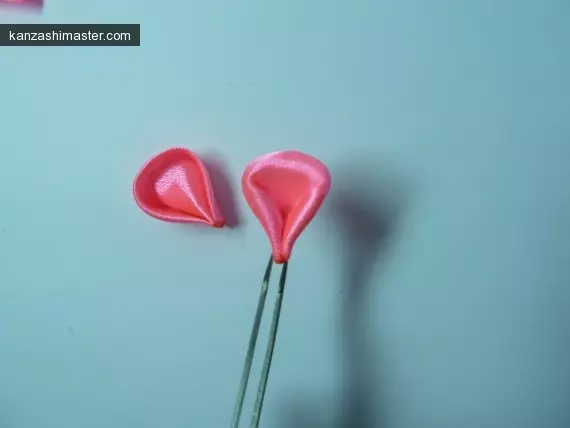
[{"x": 251, "y": 348}]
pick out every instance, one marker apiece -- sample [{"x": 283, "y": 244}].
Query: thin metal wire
[
  {"x": 251, "y": 347},
  {"x": 270, "y": 347}
]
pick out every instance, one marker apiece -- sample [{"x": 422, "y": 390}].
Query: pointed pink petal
[
  {"x": 285, "y": 190},
  {"x": 175, "y": 186}
]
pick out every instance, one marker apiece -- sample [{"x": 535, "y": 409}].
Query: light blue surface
[{"x": 458, "y": 114}]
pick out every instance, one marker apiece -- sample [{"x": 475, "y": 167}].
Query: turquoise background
[{"x": 431, "y": 291}]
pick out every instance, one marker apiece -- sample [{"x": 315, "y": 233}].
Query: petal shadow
[{"x": 224, "y": 189}]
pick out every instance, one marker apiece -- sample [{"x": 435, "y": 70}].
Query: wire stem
[
  {"x": 251, "y": 347},
  {"x": 270, "y": 347}
]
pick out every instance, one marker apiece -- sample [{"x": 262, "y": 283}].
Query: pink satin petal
[
  {"x": 175, "y": 186},
  {"x": 23, "y": 3},
  {"x": 285, "y": 190}
]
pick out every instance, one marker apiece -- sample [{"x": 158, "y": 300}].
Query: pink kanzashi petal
[
  {"x": 285, "y": 190},
  {"x": 175, "y": 186}
]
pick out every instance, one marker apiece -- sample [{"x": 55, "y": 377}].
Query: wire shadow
[{"x": 364, "y": 211}]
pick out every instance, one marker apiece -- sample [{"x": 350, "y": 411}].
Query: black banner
[{"x": 70, "y": 35}]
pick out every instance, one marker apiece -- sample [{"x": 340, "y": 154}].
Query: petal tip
[{"x": 220, "y": 223}]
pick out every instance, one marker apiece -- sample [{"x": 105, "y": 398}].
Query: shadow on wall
[
  {"x": 363, "y": 210},
  {"x": 4, "y": 420}
]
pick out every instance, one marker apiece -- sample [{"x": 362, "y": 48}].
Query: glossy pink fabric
[
  {"x": 285, "y": 190},
  {"x": 22, "y": 3},
  {"x": 175, "y": 186}
]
